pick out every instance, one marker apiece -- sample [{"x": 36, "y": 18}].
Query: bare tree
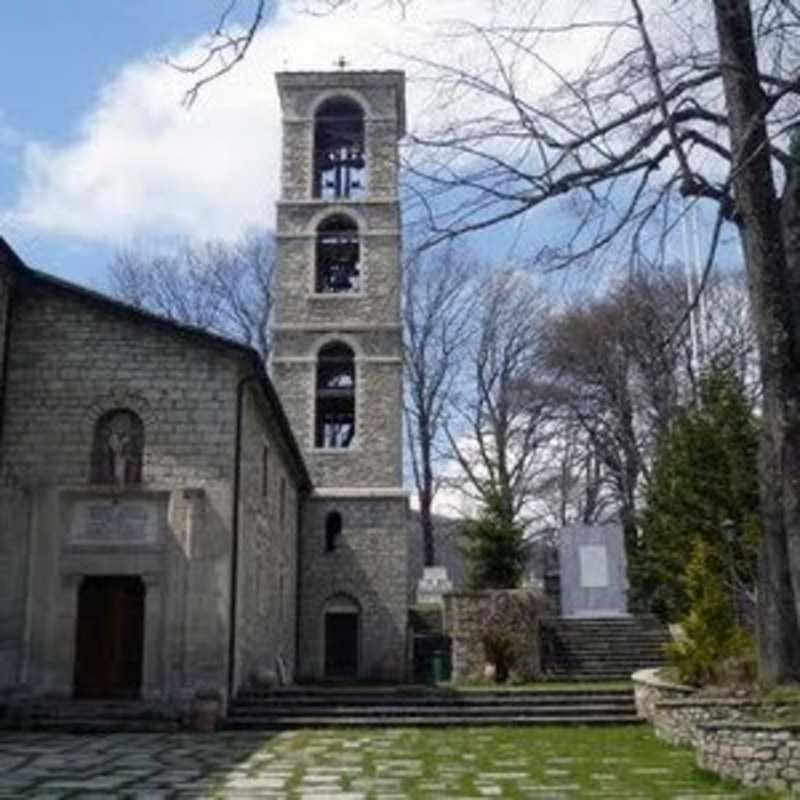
[
  {"x": 499, "y": 422},
  {"x": 224, "y": 288},
  {"x": 436, "y": 304},
  {"x": 685, "y": 102},
  {"x": 616, "y": 361}
]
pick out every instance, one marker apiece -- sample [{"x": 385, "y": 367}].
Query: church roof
[{"x": 10, "y": 261}]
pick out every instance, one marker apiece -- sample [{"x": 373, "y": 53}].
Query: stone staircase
[
  {"x": 88, "y": 716},
  {"x": 603, "y": 649},
  {"x": 307, "y": 707}
]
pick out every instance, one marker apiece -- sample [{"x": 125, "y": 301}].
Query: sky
[{"x": 98, "y": 153}]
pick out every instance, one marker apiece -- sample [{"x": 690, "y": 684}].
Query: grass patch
[{"x": 559, "y": 761}]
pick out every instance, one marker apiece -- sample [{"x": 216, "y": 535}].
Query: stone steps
[
  {"x": 299, "y": 708},
  {"x": 89, "y": 716},
  {"x": 605, "y": 649},
  {"x": 357, "y": 721}
]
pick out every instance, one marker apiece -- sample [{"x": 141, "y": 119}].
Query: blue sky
[
  {"x": 97, "y": 153},
  {"x": 55, "y": 60}
]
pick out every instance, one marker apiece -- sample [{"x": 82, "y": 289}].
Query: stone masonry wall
[
  {"x": 267, "y": 551},
  {"x": 300, "y": 95},
  {"x": 369, "y": 568},
  {"x": 71, "y": 360},
  {"x": 368, "y": 565},
  {"x": 469, "y": 615},
  {"x": 5, "y": 295},
  {"x": 373, "y": 460},
  {"x": 757, "y": 754},
  {"x": 722, "y": 732}
]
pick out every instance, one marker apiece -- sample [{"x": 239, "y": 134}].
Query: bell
[{"x": 341, "y": 280}]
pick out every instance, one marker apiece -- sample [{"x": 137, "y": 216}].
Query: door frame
[
  {"x": 65, "y": 627},
  {"x": 341, "y": 604},
  {"x": 124, "y": 585}
]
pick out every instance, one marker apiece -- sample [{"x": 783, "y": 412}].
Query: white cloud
[{"x": 142, "y": 165}]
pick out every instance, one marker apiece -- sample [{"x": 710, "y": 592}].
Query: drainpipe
[
  {"x": 298, "y": 580},
  {"x": 234, "y": 588}
]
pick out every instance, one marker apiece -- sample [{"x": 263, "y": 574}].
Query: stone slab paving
[{"x": 359, "y": 764}]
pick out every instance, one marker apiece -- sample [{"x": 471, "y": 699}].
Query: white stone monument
[{"x": 433, "y": 585}]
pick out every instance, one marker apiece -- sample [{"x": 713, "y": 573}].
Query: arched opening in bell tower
[
  {"x": 338, "y": 256},
  {"x": 340, "y": 169},
  {"x": 335, "y": 424}
]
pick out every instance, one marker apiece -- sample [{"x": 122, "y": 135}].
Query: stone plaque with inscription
[
  {"x": 114, "y": 522},
  {"x": 593, "y": 566}
]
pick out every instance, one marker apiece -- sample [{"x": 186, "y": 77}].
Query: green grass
[{"x": 552, "y": 762}]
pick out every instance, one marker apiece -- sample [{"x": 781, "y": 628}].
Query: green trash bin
[{"x": 440, "y": 663}]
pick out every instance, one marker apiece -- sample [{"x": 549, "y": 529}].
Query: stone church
[{"x": 172, "y": 517}]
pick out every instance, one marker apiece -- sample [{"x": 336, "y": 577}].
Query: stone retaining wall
[
  {"x": 757, "y": 754},
  {"x": 725, "y": 741}
]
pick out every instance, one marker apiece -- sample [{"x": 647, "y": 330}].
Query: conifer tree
[
  {"x": 495, "y": 547},
  {"x": 705, "y": 474}
]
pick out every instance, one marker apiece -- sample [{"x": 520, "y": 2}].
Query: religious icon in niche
[{"x": 118, "y": 448}]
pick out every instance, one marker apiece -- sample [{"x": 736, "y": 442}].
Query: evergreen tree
[
  {"x": 495, "y": 547},
  {"x": 705, "y": 474}
]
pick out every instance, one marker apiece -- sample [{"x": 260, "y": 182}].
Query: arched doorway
[
  {"x": 342, "y": 618},
  {"x": 109, "y": 645}
]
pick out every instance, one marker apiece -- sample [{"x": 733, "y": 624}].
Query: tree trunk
[{"x": 770, "y": 289}]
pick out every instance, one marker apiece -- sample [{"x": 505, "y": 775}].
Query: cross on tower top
[{"x": 342, "y": 62}]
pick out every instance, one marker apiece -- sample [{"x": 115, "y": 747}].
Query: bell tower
[{"x": 337, "y": 363}]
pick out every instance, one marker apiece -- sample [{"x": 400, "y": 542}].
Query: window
[
  {"x": 339, "y": 165},
  {"x": 265, "y": 471},
  {"x": 118, "y": 448},
  {"x": 338, "y": 256},
  {"x": 336, "y": 397},
  {"x": 333, "y": 529}
]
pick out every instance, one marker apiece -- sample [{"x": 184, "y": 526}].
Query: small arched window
[
  {"x": 336, "y": 397},
  {"x": 339, "y": 165},
  {"x": 118, "y": 448},
  {"x": 333, "y": 530},
  {"x": 338, "y": 255}
]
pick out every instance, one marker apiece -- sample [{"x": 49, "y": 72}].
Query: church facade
[{"x": 172, "y": 519}]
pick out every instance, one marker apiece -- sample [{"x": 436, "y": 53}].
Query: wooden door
[
  {"x": 110, "y": 637},
  {"x": 341, "y": 644}
]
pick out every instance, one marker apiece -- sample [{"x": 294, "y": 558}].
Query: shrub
[
  {"x": 510, "y": 635},
  {"x": 714, "y": 648}
]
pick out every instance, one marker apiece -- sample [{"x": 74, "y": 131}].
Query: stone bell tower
[{"x": 337, "y": 364}]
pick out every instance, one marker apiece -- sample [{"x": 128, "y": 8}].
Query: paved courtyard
[{"x": 544, "y": 763}]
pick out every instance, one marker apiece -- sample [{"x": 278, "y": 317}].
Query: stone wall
[
  {"x": 71, "y": 359},
  {"x": 470, "y": 616},
  {"x": 366, "y": 572},
  {"x": 367, "y": 565},
  {"x": 267, "y": 550},
  {"x": 725, "y": 738},
  {"x": 757, "y": 754}
]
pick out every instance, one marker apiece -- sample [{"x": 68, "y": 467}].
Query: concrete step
[
  {"x": 479, "y": 699},
  {"x": 96, "y": 725},
  {"x": 308, "y": 707},
  {"x": 424, "y": 711},
  {"x": 88, "y": 716},
  {"x": 281, "y": 723}
]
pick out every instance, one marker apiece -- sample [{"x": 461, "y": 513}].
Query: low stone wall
[
  {"x": 650, "y": 691},
  {"x": 469, "y": 615},
  {"x": 755, "y": 753},
  {"x": 725, "y": 740}
]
